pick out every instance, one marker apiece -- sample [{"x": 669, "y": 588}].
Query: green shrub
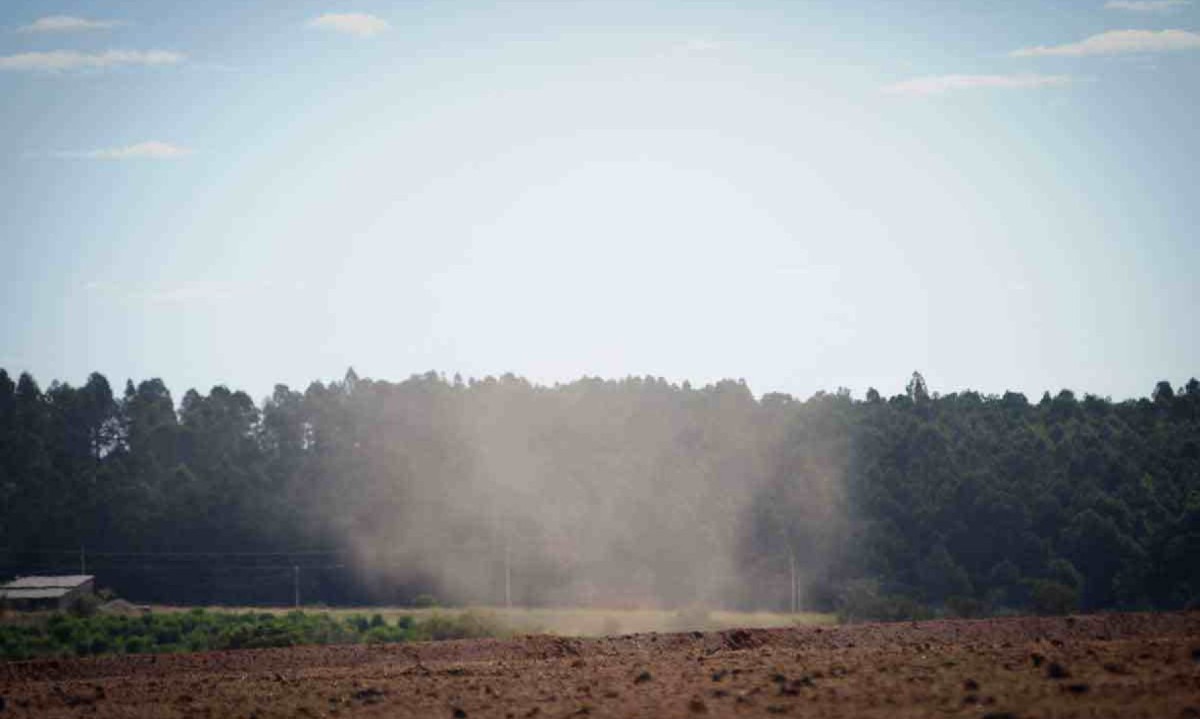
[
  {"x": 61, "y": 628},
  {"x": 862, "y": 601},
  {"x": 386, "y": 635},
  {"x": 197, "y": 641},
  {"x": 137, "y": 645},
  {"x": 468, "y": 625},
  {"x": 1051, "y": 597},
  {"x": 100, "y": 644},
  {"x": 167, "y": 633},
  {"x": 14, "y": 643}
]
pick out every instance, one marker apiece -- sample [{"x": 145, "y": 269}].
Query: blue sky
[{"x": 805, "y": 194}]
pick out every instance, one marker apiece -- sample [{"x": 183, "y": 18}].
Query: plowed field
[{"x": 1132, "y": 665}]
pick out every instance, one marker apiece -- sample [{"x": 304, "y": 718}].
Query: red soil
[{"x": 1119, "y": 665}]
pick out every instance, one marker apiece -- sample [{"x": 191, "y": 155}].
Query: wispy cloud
[
  {"x": 353, "y": 23},
  {"x": 1146, "y": 5},
  {"x": 940, "y": 84},
  {"x": 1119, "y": 42},
  {"x": 63, "y": 60},
  {"x": 66, "y": 23},
  {"x": 151, "y": 150}
]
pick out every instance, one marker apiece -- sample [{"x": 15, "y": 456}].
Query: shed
[{"x": 46, "y": 592}]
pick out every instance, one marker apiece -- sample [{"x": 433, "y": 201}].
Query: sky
[{"x": 806, "y": 195}]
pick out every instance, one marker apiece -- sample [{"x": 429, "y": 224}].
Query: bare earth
[{"x": 1131, "y": 665}]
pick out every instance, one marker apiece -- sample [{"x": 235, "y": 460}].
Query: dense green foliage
[
  {"x": 609, "y": 492},
  {"x": 977, "y": 504}
]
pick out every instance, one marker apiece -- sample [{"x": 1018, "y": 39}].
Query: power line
[
  {"x": 91, "y": 553},
  {"x": 167, "y": 567}
]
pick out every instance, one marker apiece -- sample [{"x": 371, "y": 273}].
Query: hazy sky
[{"x": 802, "y": 194}]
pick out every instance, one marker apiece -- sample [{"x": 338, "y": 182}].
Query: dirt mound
[
  {"x": 122, "y": 608},
  {"x": 1105, "y": 665}
]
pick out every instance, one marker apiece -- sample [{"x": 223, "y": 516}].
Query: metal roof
[
  {"x": 48, "y": 593},
  {"x": 60, "y": 582}
]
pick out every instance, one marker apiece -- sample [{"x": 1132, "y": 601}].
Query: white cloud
[
  {"x": 939, "y": 84},
  {"x": 151, "y": 150},
  {"x": 1146, "y": 5},
  {"x": 352, "y": 23},
  {"x": 60, "y": 60},
  {"x": 66, "y": 23},
  {"x": 1116, "y": 42}
]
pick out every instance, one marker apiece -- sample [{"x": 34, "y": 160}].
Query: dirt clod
[
  {"x": 369, "y": 695},
  {"x": 1054, "y": 670}
]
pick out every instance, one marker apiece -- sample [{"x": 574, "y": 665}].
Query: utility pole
[
  {"x": 508, "y": 571},
  {"x": 296, "y": 584},
  {"x": 792, "y": 564},
  {"x": 82, "y": 561}
]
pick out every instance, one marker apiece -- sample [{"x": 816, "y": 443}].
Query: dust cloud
[{"x": 635, "y": 493}]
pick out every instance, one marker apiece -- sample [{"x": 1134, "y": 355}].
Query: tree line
[{"x": 609, "y": 492}]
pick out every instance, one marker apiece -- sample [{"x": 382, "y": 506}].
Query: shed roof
[
  {"x": 69, "y": 581},
  {"x": 49, "y": 593}
]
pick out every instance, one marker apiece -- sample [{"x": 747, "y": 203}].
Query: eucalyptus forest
[{"x": 630, "y": 492}]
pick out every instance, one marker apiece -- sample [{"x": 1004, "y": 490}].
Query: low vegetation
[
  {"x": 176, "y": 629},
  {"x": 203, "y": 630},
  {"x": 573, "y": 621}
]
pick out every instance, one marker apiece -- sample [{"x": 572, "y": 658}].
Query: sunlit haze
[{"x": 806, "y": 195}]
